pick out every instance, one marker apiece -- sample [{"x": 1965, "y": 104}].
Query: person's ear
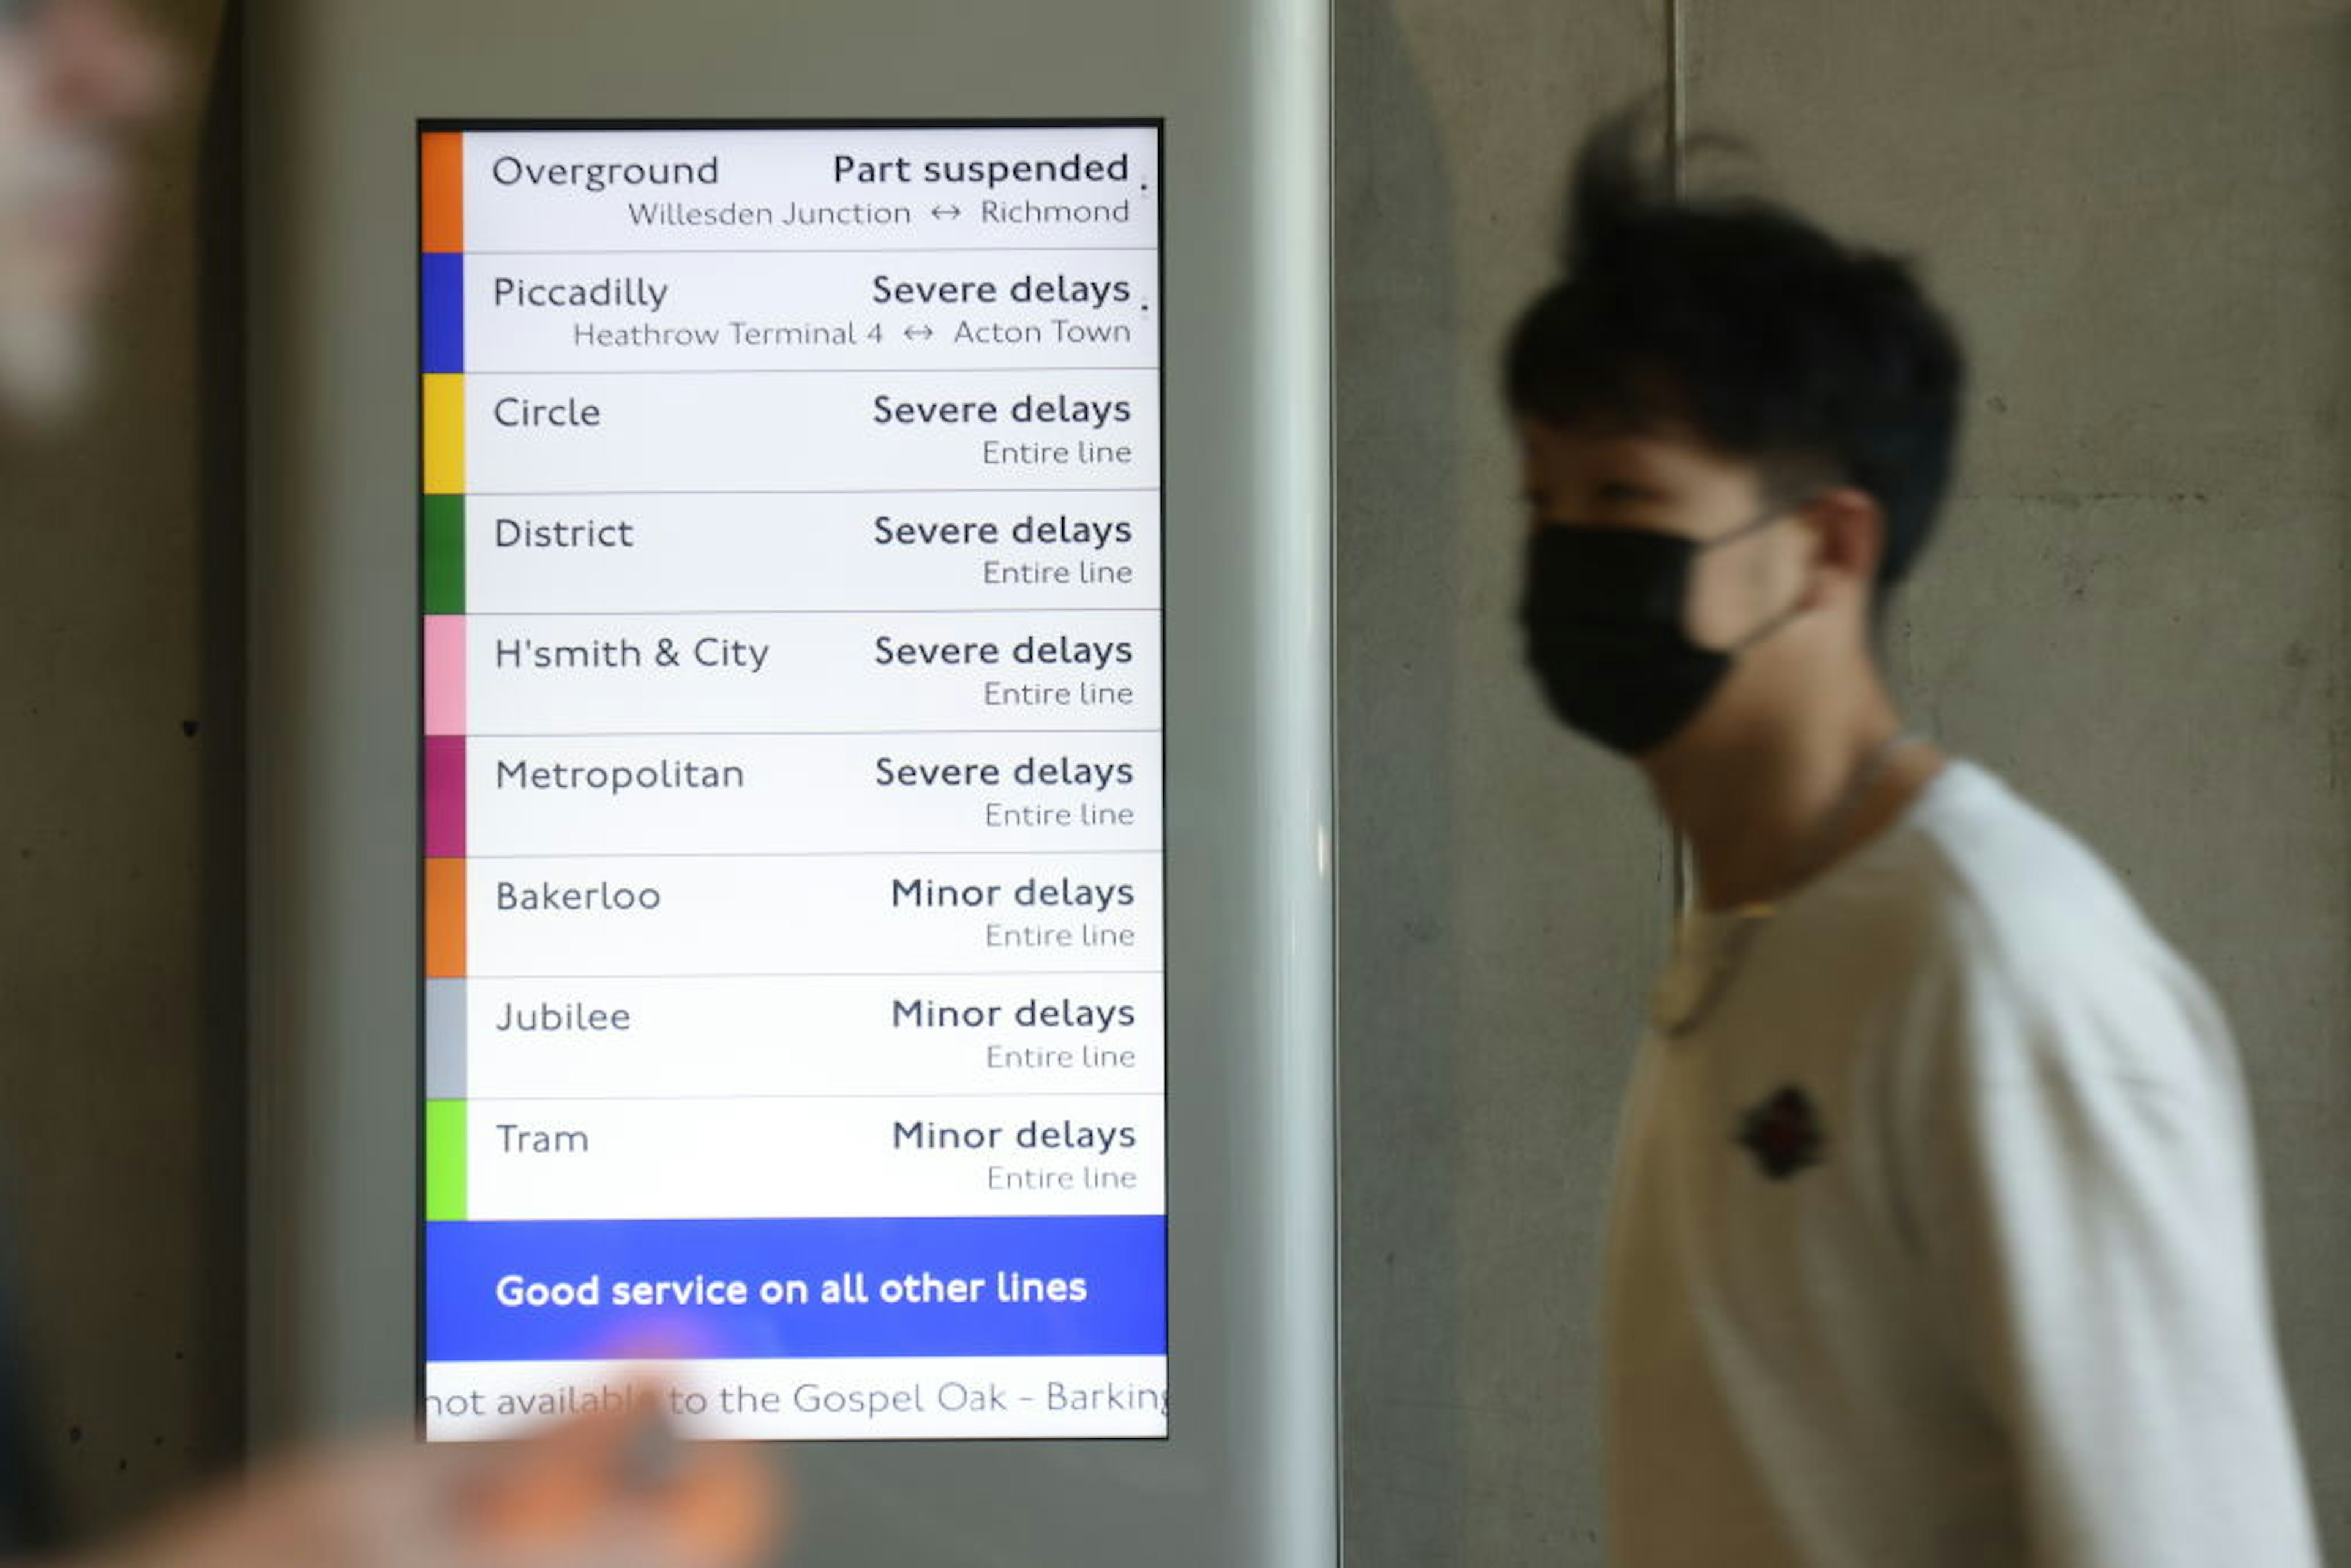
[{"x": 1848, "y": 529}]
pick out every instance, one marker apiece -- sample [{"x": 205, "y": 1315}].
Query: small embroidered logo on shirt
[{"x": 1783, "y": 1134}]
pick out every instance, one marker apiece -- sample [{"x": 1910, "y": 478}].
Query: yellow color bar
[{"x": 444, "y": 435}]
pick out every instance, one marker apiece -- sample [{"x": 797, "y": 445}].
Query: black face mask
[{"x": 1603, "y": 610}]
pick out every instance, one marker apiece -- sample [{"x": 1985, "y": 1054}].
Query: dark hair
[{"x": 1820, "y": 362}]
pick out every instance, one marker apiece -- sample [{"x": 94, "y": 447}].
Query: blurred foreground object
[
  {"x": 609, "y": 1490},
  {"x": 78, "y": 78}
]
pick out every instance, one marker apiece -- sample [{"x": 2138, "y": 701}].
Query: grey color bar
[{"x": 445, "y": 1040}]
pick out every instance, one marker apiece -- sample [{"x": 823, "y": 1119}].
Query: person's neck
[{"x": 1751, "y": 800}]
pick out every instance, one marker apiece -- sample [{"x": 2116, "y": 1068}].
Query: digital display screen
[{"x": 791, "y": 783}]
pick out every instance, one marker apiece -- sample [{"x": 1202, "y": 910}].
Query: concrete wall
[
  {"x": 121, "y": 1072},
  {"x": 2136, "y": 611}
]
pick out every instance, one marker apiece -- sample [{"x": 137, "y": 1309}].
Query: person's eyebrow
[{"x": 1606, "y": 489}]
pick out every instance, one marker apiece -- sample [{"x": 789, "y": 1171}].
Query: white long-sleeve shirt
[{"x": 1938, "y": 1241}]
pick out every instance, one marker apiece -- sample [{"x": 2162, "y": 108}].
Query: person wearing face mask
[
  {"x": 78, "y": 79},
  {"x": 1936, "y": 1233}
]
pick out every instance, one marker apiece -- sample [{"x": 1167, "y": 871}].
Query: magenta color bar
[
  {"x": 445, "y": 797},
  {"x": 444, "y": 674}
]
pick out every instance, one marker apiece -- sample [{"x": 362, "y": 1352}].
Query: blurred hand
[
  {"x": 78, "y": 80},
  {"x": 614, "y": 1490}
]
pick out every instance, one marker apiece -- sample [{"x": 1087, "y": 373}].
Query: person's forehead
[{"x": 1663, "y": 449}]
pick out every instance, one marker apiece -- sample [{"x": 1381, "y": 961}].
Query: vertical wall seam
[
  {"x": 1679, "y": 873},
  {"x": 1673, "y": 96}
]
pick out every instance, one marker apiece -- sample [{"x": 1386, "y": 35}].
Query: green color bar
[
  {"x": 444, "y": 555},
  {"x": 444, "y": 1159}
]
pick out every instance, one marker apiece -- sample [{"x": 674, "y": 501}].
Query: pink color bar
[
  {"x": 445, "y": 797},
  {"x": 444, "y": 674}
]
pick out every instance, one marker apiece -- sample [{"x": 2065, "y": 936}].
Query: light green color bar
[{"x": 444, "y": 1159}]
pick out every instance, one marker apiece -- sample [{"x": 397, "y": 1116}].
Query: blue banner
[{"x": 589, "y": 1290}]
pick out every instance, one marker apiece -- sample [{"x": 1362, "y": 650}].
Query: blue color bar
[
  {"x": 730, "y": 1288},
  {"x": 445, "y": 315}
]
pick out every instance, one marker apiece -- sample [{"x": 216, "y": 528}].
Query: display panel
[{"x": 792, "y": 786}]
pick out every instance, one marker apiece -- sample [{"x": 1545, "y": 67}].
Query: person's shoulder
[
  {"x": 1974, "y": 867},
  {"x": 2028, "y": 923},
  {"x": 2018, "y": 882}
]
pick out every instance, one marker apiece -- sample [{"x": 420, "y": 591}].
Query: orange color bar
[
  {"x": 444, "y": 920},
  {"x": 443, "y": 173}
]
